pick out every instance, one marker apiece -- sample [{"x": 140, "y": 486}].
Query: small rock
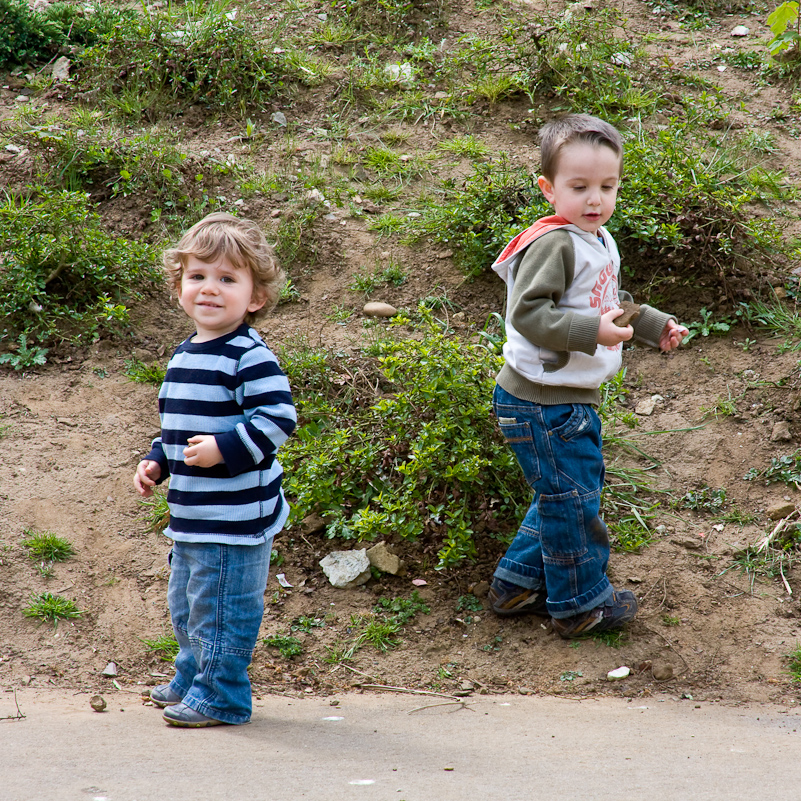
[
  {"x": 646, "y": 407},
  {"x": 12, "y": 148},
  {"x": 777, "y": 511},
  {"x": 687, "y": 542},
  {"x": 109, "y": 671},
  {"x": 618, "y": 673},
  {"x": 399, "y": 72},
  {"x": 468, "y": 686},
  {"x": 446, "y": 254},
  {"x": 662, "y": 671},
  {"x": 525, "y": 691},
  {"x": 481, "y": 589},
  {"x": 441, "y": 96},
  {"x": 631, "y": 311},
  {"x": 781, "y": 432},
  {"x": 280, "y": 118},
  {"x": 740, "y": 30},
  {"x": 61, "y": 69},
  {"x": 383, "y": 559},
  {"x": 377, "y": 309},
  {"x": 346, "y": 569},
  {"x": 621, "y": 59},
  {"x": 98, "y": 703},
  {"x": 315, "y": 196},
  {"x": 312, "y": 523},
  {"x": 27, "y": 681}
]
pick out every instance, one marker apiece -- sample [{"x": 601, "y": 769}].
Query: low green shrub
[
  {"x": 27, "y": 35},
  {"x": 680, "y": 209},
  {"x": 169, "y": 58},
  {"x": 401, "y": 439},
  {"x": 63, "y": 276}
]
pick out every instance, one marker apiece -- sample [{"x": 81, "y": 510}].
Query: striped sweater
[{"x": 233, "y": 388}]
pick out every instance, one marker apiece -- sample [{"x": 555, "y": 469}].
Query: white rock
[
  {"x": 110, "y": 670},
  {"x": 399, "y": 72},
  {"x": 618, "y": 673},
  {"x": 621, "y": 59},
  {"x": 377, "y": 309},
  {"x": 315, "y": 196},
  {"x": 61, "y": 69},
  {"x": 12, "y": 148},
  {"x": 280, "y": 118},
  {"x": 346, "y": 568},
  {"x": 646, "y": 407},
  {"x": 740, "y": 30}
]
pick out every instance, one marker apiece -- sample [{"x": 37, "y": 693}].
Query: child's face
[
  {"x": 216, "y": 296},
  {"x": 584, "y": 189}
]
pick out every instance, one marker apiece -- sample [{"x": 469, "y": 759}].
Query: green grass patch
[
  {"x": 47, "y": 546},
  {"x": 165, "y": 646},
  {"x": 141, "y": 373},
  {"x": 287, "y": 646},
  {"x": 45, "y": 606}
]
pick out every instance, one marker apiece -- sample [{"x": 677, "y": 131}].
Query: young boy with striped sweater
[{"x": 225, "y": 409}]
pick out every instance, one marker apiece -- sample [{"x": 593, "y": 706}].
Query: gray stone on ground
[
  {"x": 346, "y": 569},
  {"x": 631, "y": 311},
  {"x": 781, "y": 432}
]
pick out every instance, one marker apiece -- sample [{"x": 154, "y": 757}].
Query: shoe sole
[{"x": 204, "y": 724}]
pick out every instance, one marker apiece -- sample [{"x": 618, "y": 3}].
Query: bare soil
[{"x": 77, "y": 427}]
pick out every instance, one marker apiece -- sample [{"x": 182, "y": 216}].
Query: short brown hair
[
  {"x": 572, "y": 128},
  {"x": 242, "y": 243}
]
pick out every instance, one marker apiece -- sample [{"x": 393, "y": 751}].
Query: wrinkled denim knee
[
  {"x": 562, "y": 544},
  {"x": 216, "y": 598}
]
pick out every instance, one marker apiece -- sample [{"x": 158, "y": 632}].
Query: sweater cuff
[
  {"x": 583, "y": 334},
  {"x": 648, "y": 327}
]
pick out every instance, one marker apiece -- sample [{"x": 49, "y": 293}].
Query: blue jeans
[
  {"x": 216, "y": 598},
  {"x": 562, "y": 544}
]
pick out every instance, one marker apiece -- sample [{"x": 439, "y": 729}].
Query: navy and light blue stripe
[{"x": 233, "y": 388}]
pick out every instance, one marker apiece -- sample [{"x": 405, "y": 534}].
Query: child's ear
[
  {"x": 257, "y": 300},
  {"x": 546, "y": 187}
]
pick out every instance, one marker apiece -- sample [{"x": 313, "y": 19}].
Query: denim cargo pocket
[{"x": 518, "y": 435}]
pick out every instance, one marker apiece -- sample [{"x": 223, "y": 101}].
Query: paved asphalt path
[{"x": 375, "y": 748}]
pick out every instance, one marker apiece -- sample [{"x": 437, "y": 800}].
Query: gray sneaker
[{"x": 163, "y": 696}]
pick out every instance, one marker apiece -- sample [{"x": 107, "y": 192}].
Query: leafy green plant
[
  {"x": 142, "y": 373},
  {"x": 178, "y": 55},
  {"x": 469, "y": 603},
  {"x": 165, "y": 646},
  {"x": 33, "y": 35},
  {"x": 47, "y": 545},
  {"x": 722, "y": 407},
  {"x": 794, "y": 663},
  {"x": 670, "y": 620},
  {"x": 705, "y": 499},
  {"x": 24, "y": 356},
  {"x": 782, "y": 469},
  {"x": 287, "y": 646},
  {"x": 64, "y": 277},
  {"x": 785, "y": 24},
  {"x": 707, "y": 326},
  {"x": 305, "y": 623},
  {"x": 424, "y": 458},
  {"x": 48, "y": 607}
]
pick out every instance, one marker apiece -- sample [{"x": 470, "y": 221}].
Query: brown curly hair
[{"x": 223, "y": 236}]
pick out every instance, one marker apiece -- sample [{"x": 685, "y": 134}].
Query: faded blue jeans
[
  {"x": 216, "y": 598},
  {"x": 562, "y": 544}
]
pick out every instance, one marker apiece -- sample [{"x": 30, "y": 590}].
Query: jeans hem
[
  {"x": 519, "y": 579},
  {"x": 582, "y": 603}
]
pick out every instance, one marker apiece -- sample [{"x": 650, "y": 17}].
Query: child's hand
[
  {"x": 147, "y": 474},
  {"x": 609, "y": 334},
  {"x": 202, "y": 451},
  {"x": 672, "y": 335}
]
